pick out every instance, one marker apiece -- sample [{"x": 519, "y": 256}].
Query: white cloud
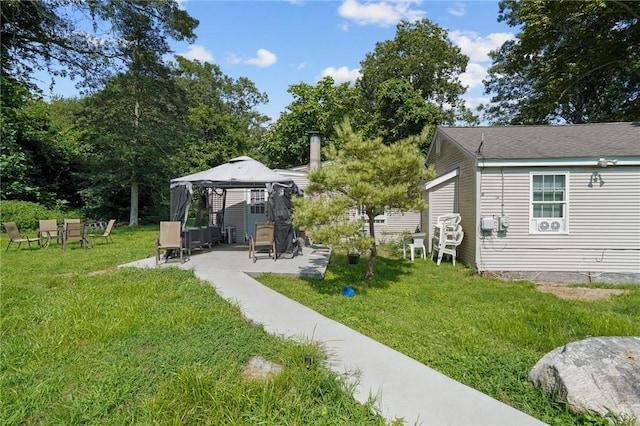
[
  {"x": 182, "y": 5},
  {"x": 477, "y": 47},
  {"x": 473, "y": 102},
  {"x": 458, "y": 9},
  {"x": 384, "y": 13},
  {"x": 473, "y": 76},
  {"x": 233, "y": 59},
  {"x": 197, "y": 53},
  {"x": 341, "y": 75},
  {"x": 263, "y": 59}
]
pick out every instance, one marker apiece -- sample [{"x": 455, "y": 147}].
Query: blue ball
[{"x": 348, "y": 291}]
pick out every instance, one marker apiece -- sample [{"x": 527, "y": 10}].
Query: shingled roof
[{"x": 546, "y": 142}]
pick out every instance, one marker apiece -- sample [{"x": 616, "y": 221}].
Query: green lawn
[
  {"x": 82, "y": 342},
  {"x": 482, "y": 332}
]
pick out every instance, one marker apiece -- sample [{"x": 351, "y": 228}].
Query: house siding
[
  {"x": 398, "y": 222},
  {"x": 235, "y": 211},
  {"x": 603, "y": 223},
  {"x": 299, "y": 178},
  {"x": 448, "y": 157},
  {"x": 442, "y": 199}
]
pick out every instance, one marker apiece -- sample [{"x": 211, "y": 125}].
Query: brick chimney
[{"x": 314, "y": 150}]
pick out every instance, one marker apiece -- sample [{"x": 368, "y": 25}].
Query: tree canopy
[
  {"x": 420, "y": 57},
  {"x": 37, "y": 152},
  {"x": 572, "y": 62},
  {"x": 222, "y": 119},
  {"x": 87, "y": 40},
  {"x": 363, "y": 173},
  {"x": 314, "y": 108}
]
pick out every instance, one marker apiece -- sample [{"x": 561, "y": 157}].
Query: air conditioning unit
[{"x": 549, "y": 225}]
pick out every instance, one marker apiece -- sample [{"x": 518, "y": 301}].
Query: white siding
[
  {"x": 299, "y": 178},
  {"x": 603, "y": 223},
  {"x": 397, "y": 222},
  {"x": 446, "y": 159},
  {"x": 235, "y": 211},
  {"x": 443, "y": 199}
]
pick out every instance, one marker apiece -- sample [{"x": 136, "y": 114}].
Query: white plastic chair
[
  {"x": 417, "y": 243},
  {"x": 448, "y": 244}
]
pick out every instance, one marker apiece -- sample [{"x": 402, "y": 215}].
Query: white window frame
[
  {"x": 257, "y": 202},
  {"x": 380, "y": 219},
  {"x": 551, "y": 225}
]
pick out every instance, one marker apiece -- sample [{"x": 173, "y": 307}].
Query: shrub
[{"x": 26, "y": 214}]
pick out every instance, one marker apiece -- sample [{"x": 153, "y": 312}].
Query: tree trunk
[
  {"x": 374, "y": 251},
  {"x": 133, "y": 216},
  {"x": 371, "y": 263},
  {"x": 135, "y": 187}
]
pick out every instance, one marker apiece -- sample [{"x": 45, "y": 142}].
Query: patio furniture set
[
  {"x": 176, "y": 242},
  {"x": 72, "y": 230}
]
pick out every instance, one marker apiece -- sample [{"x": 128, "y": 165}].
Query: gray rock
[
  {"x": 260, "y": 368},
  {"x": 600, "y": 374}
]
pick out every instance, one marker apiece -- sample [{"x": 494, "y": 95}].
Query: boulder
[{"x": 600, "y": 374}]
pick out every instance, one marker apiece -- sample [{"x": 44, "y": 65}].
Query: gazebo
[{"x": 240, "y": 172}]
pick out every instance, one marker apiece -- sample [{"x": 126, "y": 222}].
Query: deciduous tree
[
  {"x": 314, "y": 108},
  {"x": 421, "y": 58},
  {"x": 134, "y": 142},
  {"x": 222, "y": 118},
  {"x": 572, "y": 62},
  {"x": 37, "y": 154},
  {"x": 89, "y": 40}
]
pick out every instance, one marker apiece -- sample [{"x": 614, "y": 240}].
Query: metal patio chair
[
  {"x": 264, "y": 236},
  {"x": 170, "y": 239},
  {"x": 16, "y": 237}
]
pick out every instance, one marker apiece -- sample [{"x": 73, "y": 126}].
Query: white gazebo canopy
[{"x": 240, "y": 172}]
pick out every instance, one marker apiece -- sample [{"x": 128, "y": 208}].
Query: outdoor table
[{"x": 45, "y": 236}]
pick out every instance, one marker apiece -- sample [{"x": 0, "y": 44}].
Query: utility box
[
  {"x": 503, "y": 223},
  {"x": 487, "y": 224}
]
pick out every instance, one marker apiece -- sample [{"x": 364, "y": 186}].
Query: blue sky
[{"x": 279, "y": 43}]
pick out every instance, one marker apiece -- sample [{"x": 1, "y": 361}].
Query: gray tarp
[
  {"x": 281, "y": 212},
  {"x": 180, "y": 200}
]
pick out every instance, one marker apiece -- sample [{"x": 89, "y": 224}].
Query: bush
[{"x": 26, "y": 214}]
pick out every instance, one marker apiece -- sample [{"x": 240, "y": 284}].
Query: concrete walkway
[{"x": 401, "y": 386}]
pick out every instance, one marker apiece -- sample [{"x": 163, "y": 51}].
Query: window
[
  {"x": 379, "y": 219},
  {"x": 257, "y": 201},
  {"x": 548, "y": 203}
]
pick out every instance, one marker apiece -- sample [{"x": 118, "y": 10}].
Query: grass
[
  {"x": 85, "y": 343},
  {"x": 482, "y": 332}
]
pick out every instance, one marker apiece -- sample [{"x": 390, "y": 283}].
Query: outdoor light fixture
[
  {"x": 307, "y": 361},
  {"x": 603, "y": 162}
]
